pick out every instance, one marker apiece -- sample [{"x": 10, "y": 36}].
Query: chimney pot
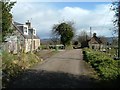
[{"x": 28, "y": 23}]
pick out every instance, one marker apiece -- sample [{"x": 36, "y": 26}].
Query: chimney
[
  {"x": 29, "y": 24},
  {"x": 94, "y": 34}
]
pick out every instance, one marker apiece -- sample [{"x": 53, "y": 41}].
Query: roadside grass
[
  {"x": 14, "y": 65},
  {"x": 111, "y": 52},
  {"x": 107, "y": 68},
  {"x": 0, "y": 71}
]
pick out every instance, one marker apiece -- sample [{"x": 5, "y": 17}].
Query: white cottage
[{"x": 24, "y": 38}]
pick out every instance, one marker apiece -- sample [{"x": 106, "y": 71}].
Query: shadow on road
[{"x": 45, "y": 79}]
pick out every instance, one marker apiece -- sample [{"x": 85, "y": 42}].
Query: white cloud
[
  {"x": 44, "y": 16},
  {"x": 64, "y": 0}
]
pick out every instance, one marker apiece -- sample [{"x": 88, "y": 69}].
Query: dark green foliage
[
  {"x": 76, "y": 43},
  {"x": 116, "y": 21},
  {"x": 65, "y": 31},
  {"x": 6, "y": 18},
  {"x": 107, "y": 68},
  {"x": 0, "y": 16}
]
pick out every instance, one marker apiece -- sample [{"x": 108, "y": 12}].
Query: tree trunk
[{"x": 119, "y": 32}]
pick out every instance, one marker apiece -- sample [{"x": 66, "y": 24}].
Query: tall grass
[{"x": 12, "y": 65}]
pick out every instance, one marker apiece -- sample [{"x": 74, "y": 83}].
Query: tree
[
  {"x": 0, "y": 15},
  {"x": 65, "y": 31},
  {"x": 114, "y": 41},
  {"x": 0, "y": 22},
  {"x": 6, "y": 17},
  {"x": 116, "y": 8},
  {"x": 54, "y": 38},
  {"x": 83, "y": 36},
  {"x": 75, "y": 43}
]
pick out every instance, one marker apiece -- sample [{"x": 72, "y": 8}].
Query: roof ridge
[{"x": 17, "y": 23}]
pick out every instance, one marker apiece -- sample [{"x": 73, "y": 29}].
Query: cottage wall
[
  {"x": 95, "y": 46},
  {"x": 36, "y": 44},
  {"x": 95, "y": 43},
  {"x": 27, "y": 45},
  {"x": 11, "y": 44},
  {"x": 24, "y": 41}
]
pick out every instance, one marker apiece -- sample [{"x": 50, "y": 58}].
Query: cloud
[
  {"x": 64, "y": 0},
  {"x": 43, "y": 16}
]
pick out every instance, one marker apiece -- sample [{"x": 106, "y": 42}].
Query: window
[
  {"x": 25, "y": 29},
  {"x": 34, "y": 32}
]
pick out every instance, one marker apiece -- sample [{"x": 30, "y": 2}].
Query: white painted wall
[
  {"x": 25, "y": 29},
  {"x": 34, "y": 31}
]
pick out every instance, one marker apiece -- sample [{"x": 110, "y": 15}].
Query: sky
[{"x": 43, "y": 15}]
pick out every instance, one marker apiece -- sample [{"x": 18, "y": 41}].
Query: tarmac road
[
  {"x": 70, "y": 61},
  {"x": 66, "y": 69}
]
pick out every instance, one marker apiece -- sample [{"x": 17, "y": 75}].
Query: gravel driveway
[{"x": 66, "y": 69}]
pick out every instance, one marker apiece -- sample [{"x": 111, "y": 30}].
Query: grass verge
[{"x": 107, "y": 68}]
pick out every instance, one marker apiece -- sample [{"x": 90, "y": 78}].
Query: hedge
[{"x": 107, "y": 68}]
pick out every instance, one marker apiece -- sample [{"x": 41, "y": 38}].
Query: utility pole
[{"x": 90, "y": 32}]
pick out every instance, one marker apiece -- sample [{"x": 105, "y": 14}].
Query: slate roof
[
  {"x": 19, "y": 27},
  {"x": 95, "y": 40},
  {"x": 16, "y": 23}
]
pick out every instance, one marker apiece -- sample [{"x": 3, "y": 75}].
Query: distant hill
[
  {"x": 46, "y": 41},
  {"x": 109, "y": 39}
]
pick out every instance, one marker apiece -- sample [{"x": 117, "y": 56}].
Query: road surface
[{"x": 66, "y": 69}]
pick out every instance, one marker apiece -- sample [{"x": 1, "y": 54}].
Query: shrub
[
  {"x": 107, "y": 68},
  {"x": 12, "y": 65}
]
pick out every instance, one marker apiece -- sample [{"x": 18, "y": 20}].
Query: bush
[
  {"x": 44, "y": 46},
  {"x": 107, "y": 68},
  {"x": 12, "y": 65}
]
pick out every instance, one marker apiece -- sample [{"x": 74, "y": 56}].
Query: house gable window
[
  {"x": 34, "y": 32},
  {"x": 25, "y": 29}
]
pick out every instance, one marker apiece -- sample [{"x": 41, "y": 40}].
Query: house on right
[{"x": 95, "y": 43}]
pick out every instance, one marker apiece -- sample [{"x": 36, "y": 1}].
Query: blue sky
[
  {"x": 44, "y": 15},
  {"x": 59, "y": 5},
  {"x": 85, "y": 5}
]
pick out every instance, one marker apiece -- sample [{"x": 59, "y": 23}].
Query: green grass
[
  {"x": 111, "y": 52},
  {"x": 13, "y": 65},
  {"x": 43, "y": 46},
  {"x": 107, "y": 68}
]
